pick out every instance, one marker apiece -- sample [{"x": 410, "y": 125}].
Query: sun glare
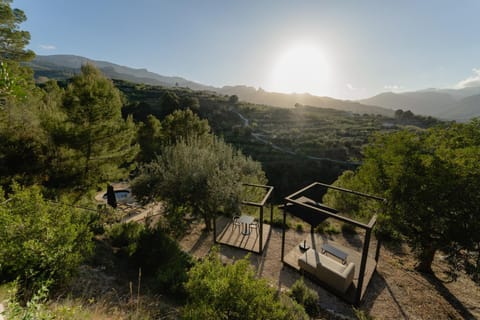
[{"x": 300, "y": 69}]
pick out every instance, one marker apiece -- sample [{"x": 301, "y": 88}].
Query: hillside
[
  {"x": 61, "y": 67},
  {"x": 450, "y": 104},
  {"x": 295, "y": 145}
]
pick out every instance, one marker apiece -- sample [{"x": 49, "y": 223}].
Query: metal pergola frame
[
  {"x": 368, "y": 227},
  {"x": 260, "y": 205}
]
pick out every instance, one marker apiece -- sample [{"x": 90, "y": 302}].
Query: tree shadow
[
  {"x": 200, "y": 242},
  {"x": 376, "y": 286},
  {"x": 353, "y": 239},
  {"x": 448, "y": 296}
]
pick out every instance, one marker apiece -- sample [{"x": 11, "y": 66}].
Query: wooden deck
[
  {"x": 291, "y": 259},
  {"x": 233, "y": 237}
]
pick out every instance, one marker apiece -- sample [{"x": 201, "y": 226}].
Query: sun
[{"x": 301, "y": 68}]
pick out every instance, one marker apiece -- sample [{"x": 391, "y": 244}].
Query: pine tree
[{"x": 94, "y": 140}]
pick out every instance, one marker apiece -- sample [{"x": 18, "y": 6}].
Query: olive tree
[{"x": 203, "y": 173}]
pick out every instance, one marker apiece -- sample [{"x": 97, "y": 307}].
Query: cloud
[
  {"x": 392, "y": 87},
  {"x": 48, "y": 47},
  {"x": 472, "y": 81}
]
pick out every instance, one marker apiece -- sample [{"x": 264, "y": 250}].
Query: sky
[{"x": 342, "y": 49}]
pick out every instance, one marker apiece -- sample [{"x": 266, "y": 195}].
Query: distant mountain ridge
[
  {"x": 451, "y": 104},
  {"x": 70, "y": 64},
  {"x": 62, "y": 67}
]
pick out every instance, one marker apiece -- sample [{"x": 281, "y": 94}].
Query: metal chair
[
  {"x": 254, "y": 225},
  {"x": 235, "y": 222}
]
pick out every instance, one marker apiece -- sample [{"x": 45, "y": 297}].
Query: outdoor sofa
[{"x": 335, "y": 274}]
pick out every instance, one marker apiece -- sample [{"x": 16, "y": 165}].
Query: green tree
[
  {"x": 203, "y": 173},
  {"x": 232, "y": 292},
  {"x": 15, "y": 80},
  {"x": 94, "y": 141},
  {"x": 431, "y": 180},
  {"x": 150, "y": 139},
  {"x": 13, "y": 41},
  {"x": 40, "y": 240},
  {"x": 22, "y": 147},
  {"x": 170, "y": 103},
  {"x": 233, "y": 99},
  {"x": 190, "y": 102},
  {"x": 183, "y": 124}
]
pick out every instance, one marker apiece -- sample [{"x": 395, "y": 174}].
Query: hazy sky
[{"x": 344, "y": 49}]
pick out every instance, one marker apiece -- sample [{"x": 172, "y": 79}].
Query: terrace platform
[
  {"x": 315, "y": 241},
  {"x": 233, "y": 237}
]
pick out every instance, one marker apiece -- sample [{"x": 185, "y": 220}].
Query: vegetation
[
  {"x": 430, "y": 180},
  {"x": 232, "y": 291},
  {"x": 296, "y": 146},
  {"x": 93, "y": 141},
  {"x": 203, "y": 173},
  {"x": 305, "y": 296},
  {"x": 58, "y": 142},
  {"x": 40, "y": 240}
]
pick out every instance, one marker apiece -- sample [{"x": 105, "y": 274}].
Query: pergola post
[
  {"x": 215, "y": 230},
  {"x": 261, "y": 231},
  {"x": 283, "y": 229},
  {"x": 363, "y": 264}
]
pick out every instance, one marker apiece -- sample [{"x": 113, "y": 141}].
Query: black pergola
[
  {"x": 260, "y": 205},
  {"x": 314, "y": 212}
]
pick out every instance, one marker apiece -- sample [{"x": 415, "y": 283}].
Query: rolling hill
[
  {"x": 61, "y": 67},
  {"x": 450, "y": 104}
]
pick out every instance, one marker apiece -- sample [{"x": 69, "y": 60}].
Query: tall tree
[
  {"x": 183, "y": 124},
  {"x": 203, "y": 173},
  {"x": 150, "y": 139},
  {"x": 13, "y": 40},
  {"x": 95, "y": 140},
  {"x": 431, "y": 180}
]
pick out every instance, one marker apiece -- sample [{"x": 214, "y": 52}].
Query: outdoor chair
[
  {"x": 254, "y": 225},
  {"x": 235, "y": 222}
]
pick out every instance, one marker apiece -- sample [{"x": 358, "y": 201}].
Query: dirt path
[{"x": 395, "y": 292}]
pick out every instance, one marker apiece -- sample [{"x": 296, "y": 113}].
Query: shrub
[
  {"x": 362, "y": 315},
  {"x": 161, "y": 259},
  {"x": 327, "y": 227},
  {"x": 126, "y": 236},
  {"x": 299, "y": 227},
  {"x": 233, "y": 292},
  {"x": 305, "y": 296},
  {"x": 40, "y": 240}
]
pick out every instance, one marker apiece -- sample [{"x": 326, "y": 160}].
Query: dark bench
[{"x": 334, "y": 252}]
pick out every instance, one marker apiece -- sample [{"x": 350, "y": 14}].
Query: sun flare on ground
[{"x": 301, "y": 68}]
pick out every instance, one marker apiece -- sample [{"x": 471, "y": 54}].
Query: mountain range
[{"x": 450, "y": 104}]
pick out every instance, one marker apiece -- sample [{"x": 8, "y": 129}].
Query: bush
[
  {"x": 233, "y": 292},
  {"x": 40, "y": 240},
  {"x": 163, "y": 261},
  {"x": 299, "y": 227},
  {"x": 327, "y": 228},
  {"x": 278, "y": 223},
  {"x": 126, "y": 236},
  {"x": 305, "y": 296},
  {"x": 362, "y": 315}
]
